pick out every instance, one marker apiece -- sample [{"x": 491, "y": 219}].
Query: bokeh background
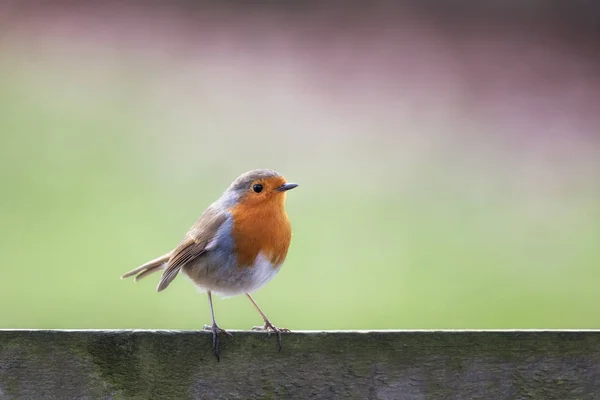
[{"x": 448, "y": 156}]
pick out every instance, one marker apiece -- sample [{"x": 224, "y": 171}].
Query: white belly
[
  {"x": 228, "y": 279},
  {"x": 261, "y": 273}
]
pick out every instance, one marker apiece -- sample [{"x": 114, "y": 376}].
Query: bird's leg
[
  {"x": 269, "y": 327},
  {"x": 216, "y": 331}
]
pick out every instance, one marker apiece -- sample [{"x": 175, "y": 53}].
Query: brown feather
[
  {"x": 148, "y": 271},
  {"x": 195, "y": 244},
  {"x": 148, "y": 268}
]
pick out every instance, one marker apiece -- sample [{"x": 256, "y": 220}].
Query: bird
[{"x": 235, "y": 247}]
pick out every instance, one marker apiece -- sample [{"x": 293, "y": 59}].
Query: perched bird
[{"x": 236, "y": 246}]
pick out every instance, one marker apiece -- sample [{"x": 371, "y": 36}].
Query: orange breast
[{"x": 263, "y": 227}]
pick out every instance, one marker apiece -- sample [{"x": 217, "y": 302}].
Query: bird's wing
[{"x": 197, "y": 241}]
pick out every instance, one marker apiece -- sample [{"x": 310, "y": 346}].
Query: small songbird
[{"x": 236, "y": 246}]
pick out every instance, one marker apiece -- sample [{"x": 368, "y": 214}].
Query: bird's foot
[
  {"x": 216, "y": 331},
  {"x": 269, "y": 327}
]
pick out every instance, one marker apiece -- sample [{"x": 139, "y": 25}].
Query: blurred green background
[{"x": 437, "y": 190}]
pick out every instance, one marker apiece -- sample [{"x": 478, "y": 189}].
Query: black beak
[{"x": 286, "y": 187}]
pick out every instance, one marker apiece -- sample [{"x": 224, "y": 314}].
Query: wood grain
[{"x": 409, "y": 365}]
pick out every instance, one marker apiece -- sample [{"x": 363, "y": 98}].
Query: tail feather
[{"x": 148, "y": 268}]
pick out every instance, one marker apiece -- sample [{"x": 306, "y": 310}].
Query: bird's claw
[
  {"x": 216, "y": 331},
  {"x": 269, "y": 327}
]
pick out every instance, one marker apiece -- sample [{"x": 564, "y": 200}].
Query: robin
[{"x": 236, "y": 246}]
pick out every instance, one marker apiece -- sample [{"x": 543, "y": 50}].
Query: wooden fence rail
[{"x": 58, "y": 364}]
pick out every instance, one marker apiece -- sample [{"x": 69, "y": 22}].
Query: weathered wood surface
[{"x": 487, "y": 365}]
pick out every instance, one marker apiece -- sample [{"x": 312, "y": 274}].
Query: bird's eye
[{"x": 257, "y": 188}]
